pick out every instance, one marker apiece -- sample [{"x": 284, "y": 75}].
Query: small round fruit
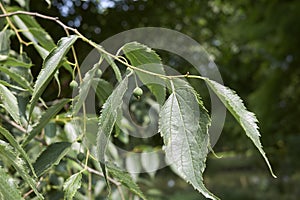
[
  {"x": 137, "y": 92},
  {"x": 73, "y": 84},
  {"x": 80, "y": 156},
  {"x": 99, "y": 72}
]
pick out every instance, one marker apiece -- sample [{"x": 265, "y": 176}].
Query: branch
[{"x": 100, "y": 49}]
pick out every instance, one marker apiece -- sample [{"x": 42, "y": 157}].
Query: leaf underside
[
  {"x": 183, "y": 124},
  {"x": 110, "y": 111},
  {"x": 246, "y": 119}
]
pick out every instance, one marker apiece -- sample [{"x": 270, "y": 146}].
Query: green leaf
[
  {"x": 71, "y": 185},
  {"x": 10, "y": 103},
  {"x": 50, "y": 157},
  {"x": 110, "y": 111},
  {"x": 17, "y": 78},
  {"x": 114, "y": 67},
  {"x": 12, "y": 141},
  {"x": 84, "y": 89},
  {"x": 4, "y": 44},
  {"x": 33, "y": 31},
  {"x": 15, "y": 63},
  {"x": 246, "y": 119},
  {"x": 8, "y": 188},
  {"x": 103, "y": 89},
  {"x": 50, "y": 65},
  {"x": 183, "y": 124},
  {"x": 144, "y": 58},
  {"x": 125, "y": 179},
  {"x": 7, "y": 151},
  {"x": 45, "y": 118}
]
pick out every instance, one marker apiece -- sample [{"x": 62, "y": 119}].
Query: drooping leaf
[
  {"x": 12, "y": 141},
  {"x": 4, "y": 44},
  {"x": 110, "y": 111},
  {"x": 50, "y": 157},
  {"x": 50, "y": 65},
  {"x": 33, "y": 31},
  {"x": 17, "y": 78},
  {"x": 11, "y": 86},
  {"x": 84, "y": 89},
  {"x": 144, "y": 58},
  {"x": 246, "y": 119},
  {"x": 8, "y": 188},
  {"x": 45, "y": 118},
  {"x": 7, "y": 151},
  {"x": 71, "y": 185},
  {"x": 103, "y": 89},
  {"x": 114, "y": 67},
  {"x": 183, "y": 124},
  {"x": 10, "y": 61},
  {"x": 10, "y": 103},
  {"x": 125, "y": 179}
]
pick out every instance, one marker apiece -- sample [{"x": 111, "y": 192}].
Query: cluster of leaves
[{"x": 30, "y": 125}]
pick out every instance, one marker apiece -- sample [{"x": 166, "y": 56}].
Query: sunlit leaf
[
  {"x": 8, "y": 188},
  {"x": 15, "y": 63},
  {"x": 7, "y": 151},
  {"x": 84, "y": 89},
  {"x": 50, "y": 65},
  {"x": 12, "y": 141},
  {"x": 17, "y": 78},
  {"x": 71, "y": 185},
  {"x": 10, "y": 103},
  {"x": 50, "y": 157},
  {"x": 114, "y": 67},
  {"x": 245, "y": 118},
  {"x": 110, "y": 111},
  {"x": 45, "y": 118},
  {"x": 183, "y": 124},
  {"x": 33, "y": 31},
  {"x": 4, "y": 44},
  {"x": 144, "y": 58}
]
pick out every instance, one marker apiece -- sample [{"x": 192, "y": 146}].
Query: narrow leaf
[
  {"x": 45, "y": 118},
  {"x": 50, "y": 157},
  {"x": 71, "y": 185},
  {"x": 15, "y": 63},
  {"x": 246, "y": 119},
  {"x": 103, "y": 89},
  {"x": 84, "y": 89},
  {"x": 7, "y": 151},
  {"x": 144, "y": 58},
  {"x": 17, "y": 78},
  {"x": 125, "y": 179},
  {"x": 4, "y": 44},
  {"x": 10, "y": 103},
  {"x": 8, "y": 189},
  {"x": 183, "y": 124},
  {"x": 12, "y": 141},
  {"x": 33, "y": 31},
  {"x": 108, "y": 117},
  {"x": 50, "y": 65},
  {"x": 114, "y": 67}
]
